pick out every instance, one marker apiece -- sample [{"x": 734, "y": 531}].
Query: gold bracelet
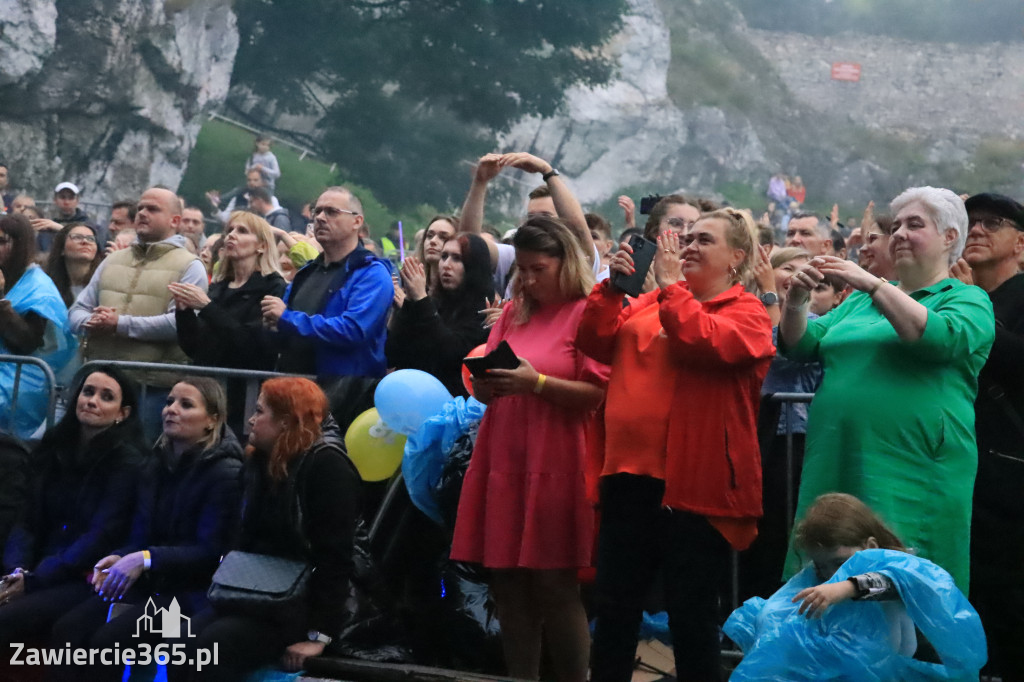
[
  {"x": 147, "y": 559},
  {"x": 539, "y": 386},
  {"x": 878, "y": 285}
]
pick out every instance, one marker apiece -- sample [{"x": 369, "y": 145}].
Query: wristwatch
[
  {"x": 769, "y": 298},
  {"x": 550, "y": 174},
  {"x": 316, "y": 636}
]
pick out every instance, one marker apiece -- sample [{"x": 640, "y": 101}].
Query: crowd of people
[{"x": 637, "y": 436}]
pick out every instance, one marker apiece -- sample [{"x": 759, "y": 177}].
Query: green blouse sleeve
[{"x": 959, "y": 324}]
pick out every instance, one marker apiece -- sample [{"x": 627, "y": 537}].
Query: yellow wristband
[
  {"x": 147, "y": 559},
  {"x": 539, "y": 386}
]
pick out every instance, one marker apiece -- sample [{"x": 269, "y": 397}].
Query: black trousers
[
  {"x": 86, "y": 627},
  {"x": 637, "y": 537},
  {"x": 243, "y": 644},
  {"x": 1001, "y": 607},
  {"x": 30, "y": 616}
]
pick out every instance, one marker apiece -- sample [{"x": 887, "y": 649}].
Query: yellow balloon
[{"x": 375, "y": 449}]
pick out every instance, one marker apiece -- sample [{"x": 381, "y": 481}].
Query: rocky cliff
[
  {"x": 919, "y": 114},
  {"x": 109, "y": 94}
]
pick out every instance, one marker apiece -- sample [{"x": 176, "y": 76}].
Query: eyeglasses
[
  {"x": 86, "y": 238},
  {"x": 330, "y": 211},
  {"x": 681, "y": 223},
  {"x": 991, "y": 224}
]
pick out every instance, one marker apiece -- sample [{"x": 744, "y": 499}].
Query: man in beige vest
[{"x": 126, "y": 312}]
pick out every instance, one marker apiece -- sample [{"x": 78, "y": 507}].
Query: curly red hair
[{"x": 302, "y": 405}]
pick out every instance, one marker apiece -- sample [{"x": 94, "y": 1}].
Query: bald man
[{"x": 126, "y": 311}]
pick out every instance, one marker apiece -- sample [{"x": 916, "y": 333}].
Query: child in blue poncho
[{"x": 851, "y": 613}]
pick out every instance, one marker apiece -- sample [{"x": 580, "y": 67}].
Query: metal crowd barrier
[
  {"x": 787, "y": 400},
  {"x": 51, "y": 382},
  {"x": 252, "y": 378}
]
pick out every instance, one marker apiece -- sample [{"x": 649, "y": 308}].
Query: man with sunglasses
[
  {"x": 332, "y": 321},
  {"x": 995, "y": 242}
]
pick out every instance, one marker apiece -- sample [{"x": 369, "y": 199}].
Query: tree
[{"x": 408, "y": 88}]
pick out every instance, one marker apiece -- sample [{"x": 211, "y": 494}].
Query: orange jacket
[{"x": 684, "y": 392}]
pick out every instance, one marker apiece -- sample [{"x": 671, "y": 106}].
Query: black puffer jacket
[
  {"x": 79, "y": 505},
  {"x": 185, "y": 515}
]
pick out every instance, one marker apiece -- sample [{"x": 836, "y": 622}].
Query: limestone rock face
[
  {"x": 109, "y": 94},
  {"x": 630, "y": 133}
]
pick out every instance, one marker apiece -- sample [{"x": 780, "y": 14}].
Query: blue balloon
[{"x": 407, "y": 398}]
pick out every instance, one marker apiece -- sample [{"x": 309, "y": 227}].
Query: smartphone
[
  {"x": 643, "y": 256},
  {"x": 502, "y": 357},
  {"x": 648, "y": 202}
]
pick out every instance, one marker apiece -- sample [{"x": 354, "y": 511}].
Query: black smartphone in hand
[
  {"x": 502, "y": 357},
  {"x": 643, "y": 256}
]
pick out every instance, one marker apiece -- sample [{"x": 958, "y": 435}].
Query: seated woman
[
  {"x": 300, "y": 501},
  {"x": 72, "y": 260},
  {"x": 33, "y": 321},
  {"x": 187, "y": 508},
  {"x": 83, "y": 480},
  {"x": 435, "y": 332},
  {"x": 851, "y": 613},
  {"x": 225, "y": 327}
]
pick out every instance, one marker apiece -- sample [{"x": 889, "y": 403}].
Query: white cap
[{"x": 66, "y": 185}]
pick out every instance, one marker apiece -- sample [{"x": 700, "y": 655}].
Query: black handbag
[
  {"x": 259, "y": 585},
  {"x": 264, "y": 586}
]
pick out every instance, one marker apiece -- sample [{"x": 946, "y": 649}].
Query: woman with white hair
[{"x": 893, "y": 421}]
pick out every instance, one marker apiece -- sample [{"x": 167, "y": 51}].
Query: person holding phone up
[
  {"x": 681, "y": 477},
  {"x": 523, "y": 511}
]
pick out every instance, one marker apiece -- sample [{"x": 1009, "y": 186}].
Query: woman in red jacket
[{"x": 681, "y": 477}]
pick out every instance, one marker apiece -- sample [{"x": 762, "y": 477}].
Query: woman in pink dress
[{"x": 523, "y": 511}]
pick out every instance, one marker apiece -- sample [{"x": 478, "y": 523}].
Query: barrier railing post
[{"x": 19, "y": 361}]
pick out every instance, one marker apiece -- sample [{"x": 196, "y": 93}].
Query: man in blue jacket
[{"x": 333, "y": 319}]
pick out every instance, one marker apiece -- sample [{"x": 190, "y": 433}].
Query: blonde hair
[
  {"x": 266, "y": 262},
  {"x": 551, "y": 237},
  {"x": 740, "y": 233},
  {"x": 215, "y": 402},
  {"x": 786, "y": 254}
]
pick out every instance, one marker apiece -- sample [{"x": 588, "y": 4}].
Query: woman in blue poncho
[
  {"x": 855, "y": 612},
  {"x": 33, "y": 321}
]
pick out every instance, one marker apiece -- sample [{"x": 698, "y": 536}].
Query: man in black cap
[{"x": 995, "y": 242}]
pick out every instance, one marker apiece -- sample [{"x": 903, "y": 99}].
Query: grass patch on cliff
[{"x": 218, "y": 162}]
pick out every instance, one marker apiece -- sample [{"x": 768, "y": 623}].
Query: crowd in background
[{"x": 637, "y": 435}]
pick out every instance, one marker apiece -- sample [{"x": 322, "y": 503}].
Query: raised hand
[
  {"x": 629, "y": 209},
  {"x": 414, "y": 276},
  {"x": 668, "y": 264},
  {"x": 962, "y": 271},
  {"x": 188, "y": 296},
  {"x": 487, "y": 168},
  {"x": 525, "y": 161}
]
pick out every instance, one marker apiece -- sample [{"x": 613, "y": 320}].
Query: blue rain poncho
[{"x": 862, "y": 641}]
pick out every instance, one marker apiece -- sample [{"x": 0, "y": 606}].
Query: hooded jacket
[{"x": 703, "y": 364}]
